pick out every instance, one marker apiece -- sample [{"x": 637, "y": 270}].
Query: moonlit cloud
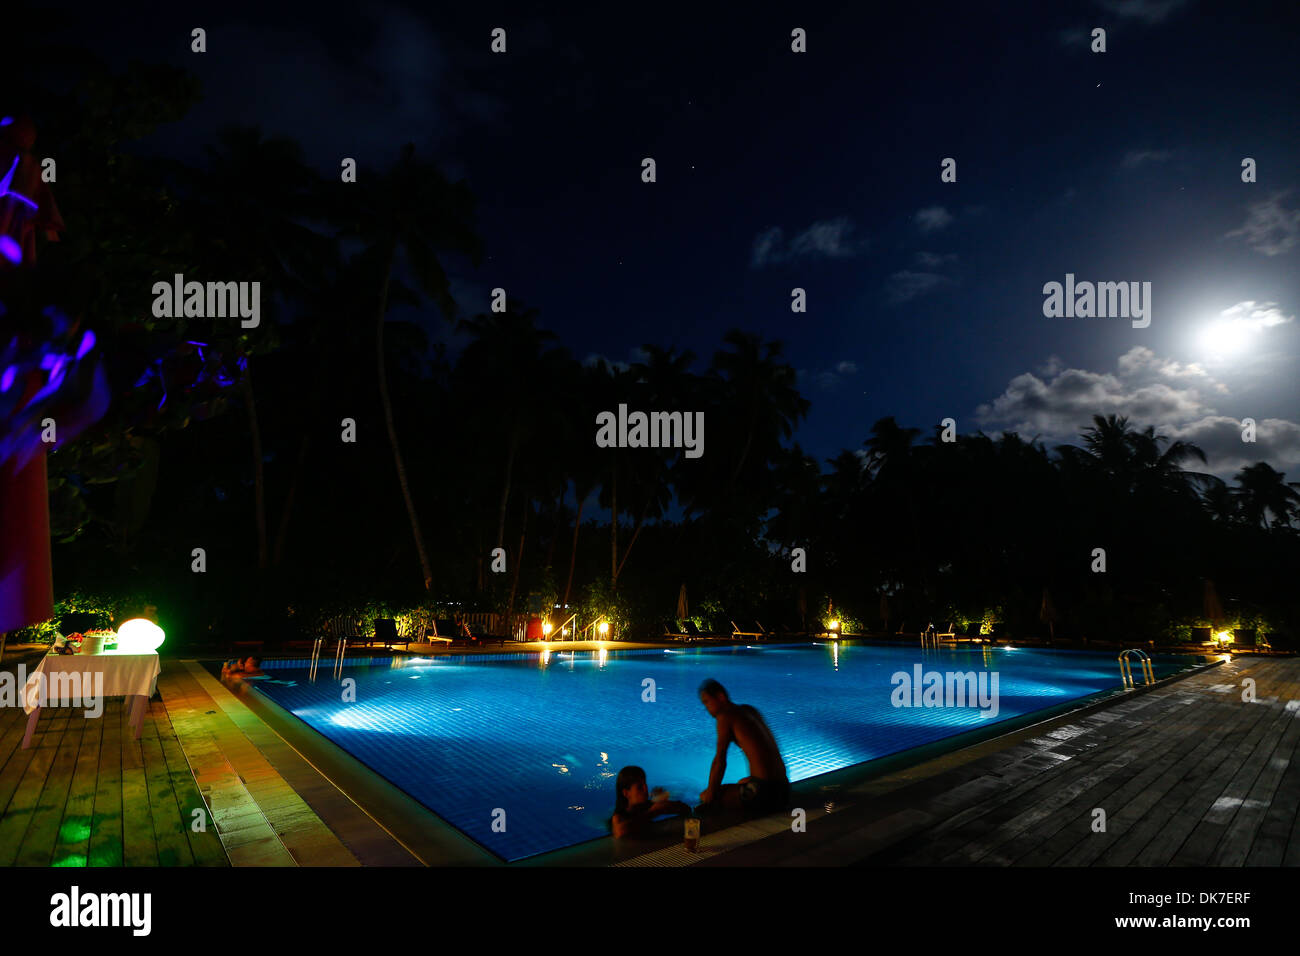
[
  {"x": 1057, "y": 403},
  {"x": 1144, "y": 11},
  {"x": 1270, "y": 227},
  {"x": 829, "y": 239},
  {"x": 933, "y": 260},
  {"x": 932, "y": 218},
  {"x": 1136, "y": 157},
  {"x": 827, "y": 379},
  {"x": 905, "y": 286},
  {"x": 1255, "y": 316}
]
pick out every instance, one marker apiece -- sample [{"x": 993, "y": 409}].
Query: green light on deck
[
  {"x": 72, "y": 859},
  {"x": 76, "y": 830}
]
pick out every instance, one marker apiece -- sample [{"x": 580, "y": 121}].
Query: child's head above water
[{"x": 630, "y": 789}]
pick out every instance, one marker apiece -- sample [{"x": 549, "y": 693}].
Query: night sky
[{"x": 822, "y": 171}]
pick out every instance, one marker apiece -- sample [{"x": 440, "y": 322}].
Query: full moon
[{"x": 1225, "y": 338}]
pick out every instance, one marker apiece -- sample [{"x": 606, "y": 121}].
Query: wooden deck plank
[
  {"x": 1235, "y": 752},
  {"x": 73, "y": 845},
  {"x": 205, "y": 845},
  {"x": 105, "y": 848},
  {"x": 1247, "y": 825},
  {"x": 969, "y": 835},
  {"x": 42, "y": 833},
  {"x": 1044, "y": 842},
  {"x": 30, "y": 768},
  {"x": 139, "y": 847},
  {"x": 1174, "y": 795},
  {"x": 1172, "y": 742},
  {"x": 168, "y": 828}
]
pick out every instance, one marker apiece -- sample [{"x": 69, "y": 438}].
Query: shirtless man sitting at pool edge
[{"x": 767, "y": 788}]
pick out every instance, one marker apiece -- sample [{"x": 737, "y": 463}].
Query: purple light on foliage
[
  {"x": 6, "y": 121},
  {"x": 10, "y": 250},
  {"x": 7, "y": 378},
  {"x": 87, "y": 343},
  {"x": 6, "y": 191},
  {"x": 48, "y": 360}
]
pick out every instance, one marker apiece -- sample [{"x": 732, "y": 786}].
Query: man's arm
[{"x": 719, "y": 768}]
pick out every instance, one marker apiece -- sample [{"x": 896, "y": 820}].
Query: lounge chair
[
  {"x": 386, "y": 633},
  {"x": 479, "y": 637},
  {"x": 673, "y": 631},
  {"x": 747, "y": 628},
  {"x": 448, "y": 631},
  {"x": 431, "y": 636},
  {"x": 787, "y": 629},
  {"x": 950, "y": 632},
  {"x": 696, "y": 634}
]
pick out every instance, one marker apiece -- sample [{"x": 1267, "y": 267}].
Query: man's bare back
[
  {"x": 767, "y": 787},
  {"x": 746, "y": 727}
]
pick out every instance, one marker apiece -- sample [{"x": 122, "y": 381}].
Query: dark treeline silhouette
[{"x": 232, "y": 440}]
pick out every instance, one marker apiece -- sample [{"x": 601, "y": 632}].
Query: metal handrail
[
  {"x": 572, "y": 619},
  {"x": 1126, "y": 667},
  {"x": 590, "y": 626},
  {"x": 315, "y": 657}
]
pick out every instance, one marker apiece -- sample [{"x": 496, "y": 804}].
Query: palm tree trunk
[
  {"x": 283, "y": 530},
  {"x": 555, "y": 534},
  {"x": 573, "y": 551},
  {"x": 514, "y": 578},
  {"x": 425, "y": 567},
  {"x": 635, "y": 534},
  {"x": 744, "y": 452},
  {"x": 259, "y": 483},
  {"x": 613, "y": 525},
  {"x": 505, "y": 487}
]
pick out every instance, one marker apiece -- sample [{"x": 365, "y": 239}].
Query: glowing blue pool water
[{"x": 543, "y": 739}]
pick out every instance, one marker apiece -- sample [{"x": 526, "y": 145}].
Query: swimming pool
[{"x": 535, "y": 741}]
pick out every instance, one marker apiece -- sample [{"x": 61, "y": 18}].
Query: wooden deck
[
  {"x": 207, "y": 784},
  {"x": 1188, "y": 775}
]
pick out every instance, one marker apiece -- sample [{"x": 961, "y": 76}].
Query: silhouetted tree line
[{"x": 232, "y": 440}]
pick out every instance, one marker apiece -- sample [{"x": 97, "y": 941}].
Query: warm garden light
[
  {"x": 546, "y": 627},
  {"x": 834, "y": 625},
  {"x": 603, "y": 627},
  {"x": 1223, "y": 637},
  {"x": 139, "y": 636}
]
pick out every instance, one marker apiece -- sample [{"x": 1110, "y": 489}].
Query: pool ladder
[
  {"x": 1126, "y": 667},
  {"x": 338, "y": 657}
]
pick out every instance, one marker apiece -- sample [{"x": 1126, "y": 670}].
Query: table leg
[
  {"x": 31, "y": 728},
  {"x": 139, "y": 705}
]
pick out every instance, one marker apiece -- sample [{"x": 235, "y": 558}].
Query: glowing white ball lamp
[{"x": 139, "y": 636}]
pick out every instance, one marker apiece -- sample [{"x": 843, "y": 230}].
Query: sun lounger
[
  {"x": 696, "y": 634},
  {"x": 386, "y": 633},
  {"x": 673, "y": 631},
  {"x": 747, "y": 628}
]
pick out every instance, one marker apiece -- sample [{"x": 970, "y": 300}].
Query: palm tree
[
  {"x": 763, "y": 396},
  {"x": 1261, "y": 491},
  {"x": 250, "y": 201},
  {"x": 514, "y": 378},
  {"x": 412, "y": 209}
]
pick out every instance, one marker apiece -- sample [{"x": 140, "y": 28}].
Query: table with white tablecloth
[{"x": 108, "y": 674}]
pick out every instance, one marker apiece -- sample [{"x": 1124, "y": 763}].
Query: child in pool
[
  {"x": 247, "y": 667},
  {"x": 635, "y": 808}
]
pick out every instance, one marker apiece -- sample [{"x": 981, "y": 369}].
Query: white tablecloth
[{"x": 124, "y": 674}]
